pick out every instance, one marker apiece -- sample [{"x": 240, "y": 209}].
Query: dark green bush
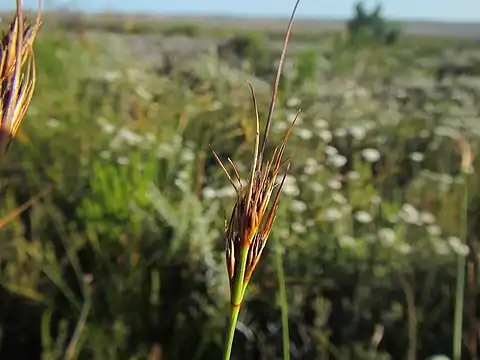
[{"x": 371, "y": 27}]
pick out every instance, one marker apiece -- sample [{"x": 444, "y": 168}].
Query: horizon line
[{"x": 238, "y": 16}]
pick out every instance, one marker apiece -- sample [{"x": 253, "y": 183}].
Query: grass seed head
[
  {"x": 17, "y": 74},
  {"x": 251, "y": 221}
]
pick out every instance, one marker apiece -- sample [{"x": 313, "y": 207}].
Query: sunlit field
[{"x": 124, "y": 258}]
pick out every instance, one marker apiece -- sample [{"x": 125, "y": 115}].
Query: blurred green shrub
[
  {"x": 248, "y": 49},
  {"x": 188, "y": 30},
  {"x": 306, "y": 67},
  {"x": 371, "y": 27}
]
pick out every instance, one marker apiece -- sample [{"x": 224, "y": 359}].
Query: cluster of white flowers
[{"x": 371, "y": 155}]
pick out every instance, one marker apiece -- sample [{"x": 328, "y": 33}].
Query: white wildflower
[
  {"x": 279, "y": 126},
  {"x": 182, "y": 179},
  {"x": 330, "y": 150},
  {"x": 358, "y": 132},
  {"x": 371, "y": 155},
  {"x": 332, "y": 215},
  {"x": 105, "y": 125},
  {"x": 417, "y": 156},
  {"x": 209, "y": 193},
  {"x": 53, "y": 123},
  {"x": 405, "y": 248},
  {"x": 187, "y": 156},
  {"x": 304, "y": 134},
  {"x": 427, "y": 218},
  {"x": 143, "y": 92},
  {"x": 164, "y": 150},
  {"x": 434, "y": 230},
  {"x": 317, "y": 187},
  {"x": 346, "y": 241},
  {"x": 112, "y": 75},
  {"x": 341, "y": 132},
  {"x": 293, "y": 102},
  {"x": 339, "y": 198},
  {"x": 458, "y": 246},
  {"x": 298, "y": 228},
  {"x": 290, "y": 187},
  {"x": 381, "y": 139},
  {"x": 446, "y": 131},
  {"x": 334, "y": 184},
  {"x": 226, "y": 192},
  {"x": 353, "y": 175},
  {"x": 446, "y": 179},
  {"x": 440, "y": 246},
  {"x": 363, "y": 217},
  {"x": 387, "y": 236},
  {"x": 320, "y": 123},
  {"x": 298, "y": 206},
  {"x": 325, "y": 135},
  {"x": 129, "y": 137},
  {"x": 336, "y": 160},
  {"x": 424, "y": 133},
  {"x": 409, "y": 214},
  {"x": 312, "y": 166},
  {"x": 123, "y": 160}
]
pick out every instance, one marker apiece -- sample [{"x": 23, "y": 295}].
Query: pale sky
[{"x": 458, "y": 10}]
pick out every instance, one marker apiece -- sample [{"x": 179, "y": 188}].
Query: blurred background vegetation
[{"x": 124, "y": 258}]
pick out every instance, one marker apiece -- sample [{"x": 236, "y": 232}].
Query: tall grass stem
[
  {"x": 282, "y": 292},
  {"x": 238, "y": 290},
  {"x": 231, "y": 332},
  {"x": 460, "y": 288}
]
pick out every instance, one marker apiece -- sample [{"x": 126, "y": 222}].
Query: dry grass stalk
[
  {"x": 20, "y": 209},
  {"x": 17, "y": 73},
  {"x": 251, "y": 221}
]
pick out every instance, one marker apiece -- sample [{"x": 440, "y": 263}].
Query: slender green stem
[
  {"x": 458, "y": 320},
  {"x": 282, "y": 292},
  {"x": 231, "y": 332},
  {"x": 460, "y": 288},
  {"x": 72, "y": 349},
  {"x": 238, "y": 290}
]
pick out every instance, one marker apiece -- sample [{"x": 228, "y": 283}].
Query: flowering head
[
  {"x": 247, "y": 230},
  {"x": 17, "y": 74},
  {"x": 251, "y": 221}
]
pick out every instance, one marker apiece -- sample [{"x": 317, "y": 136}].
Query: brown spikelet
[
  {"x": 20, "y": 209},
  {"x": 255, "y": 208},
  {"x": 17, "y": 74}
]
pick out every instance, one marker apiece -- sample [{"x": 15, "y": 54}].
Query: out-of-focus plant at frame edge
[{"x": 17, "y": 84}]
